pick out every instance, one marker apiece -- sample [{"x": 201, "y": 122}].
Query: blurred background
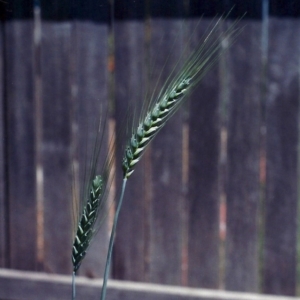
[{"x": 214, "y": 201}]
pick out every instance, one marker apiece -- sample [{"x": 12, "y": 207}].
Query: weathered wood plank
[
  {"x": 280, "y": 248},
  {"x": 90, "y": 94},
  {"x": 166, "y": 207},
  {"x": 20, "y": 159},
  {"x": 56, "y": 110},
  {"x": 203, "y": 183},
  {"x": 3, "y": 199},
  {"x": 243, "y": 192},
  {"x": 16, "y": 285},
  {"x": 131, "y": 239}
]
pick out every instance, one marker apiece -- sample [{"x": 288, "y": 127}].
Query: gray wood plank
[
  {"x": 282, "y": 123},
  {"x": 56, "y": 145},
  {"x": 3, "y": 201},
  {"x": 90, "y": 79},
  {"x": 16, "y": 285},
  {"x": 203, "y": 183},
  {"x": 166, "y": 207},
  {"x": 21, "y": 144},
  {"x": 243, "y": 191},
  {"x": 131, "y": 239}
]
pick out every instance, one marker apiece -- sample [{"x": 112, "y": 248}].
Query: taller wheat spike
[
  {"x": 172, "y": 97},
  {"x": 160, "y": 110}
]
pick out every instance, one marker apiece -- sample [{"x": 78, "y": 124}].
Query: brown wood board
[
  {"x": 166, "y": 207},
  {"x": 56, "y": 147},
  {"x": 203, "y": 178},
  {"x": 90, "y": 110},
  {"x": 19, "y": 82},
  {"x": 282, "y": 122},
  {"x": 243, "y": 191}
]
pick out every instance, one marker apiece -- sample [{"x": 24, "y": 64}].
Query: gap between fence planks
[{"x": 18, "y": 285}]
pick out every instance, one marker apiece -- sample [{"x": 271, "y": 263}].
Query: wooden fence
[{"x": 233, "y": 148}]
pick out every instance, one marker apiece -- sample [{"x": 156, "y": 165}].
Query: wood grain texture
[
  {"x": 203, "y": 183},
  {"x": 243, "y": 191},
  {"x": 21, "y": 144},
  {"x": 280, "y": 248},
  {"x": 56, "y": 147},
  {"x": 166, "y": 210},
  {"x": 17, "y": 285},
  {"x": 90, "y": 95},
  {"x": 131, "y": 238}
]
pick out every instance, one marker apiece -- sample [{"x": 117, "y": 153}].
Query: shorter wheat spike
[
  {"x": 94, "y": 199},
  {"x": 85, "y": 229}
]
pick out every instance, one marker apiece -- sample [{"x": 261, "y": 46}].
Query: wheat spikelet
[
  {"x": 85, "y": 229},
  {"x": 172, "y": 96}
]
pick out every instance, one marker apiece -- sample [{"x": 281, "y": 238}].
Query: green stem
[
  {"x": 73, "y": 286},
  {"x": 111, "y": 242}
]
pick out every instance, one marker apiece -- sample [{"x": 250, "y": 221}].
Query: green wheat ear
[
  {"x": 85, "y": 228},
  {"x": 92, "y": 204},
  {"x": 173, "y": 95},
  {"x": 93, "y": 208}
]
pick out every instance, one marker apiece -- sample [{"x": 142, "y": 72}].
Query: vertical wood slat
[
  {"x": 57, "y": 183},
  {"x": 91, "y": 45},
  {"x": 21, "y": 143},
  {"x": 166, "y": 214},
  {"x": 130, "y": 243},
  {"x": 3, "y": 198},
  {"x": 280, "y": 248},
  {"x": 203, "y": 183},
  {"x": 241, "y": 259}
]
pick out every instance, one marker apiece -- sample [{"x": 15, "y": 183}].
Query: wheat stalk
[{"x": 160, "y": 110}]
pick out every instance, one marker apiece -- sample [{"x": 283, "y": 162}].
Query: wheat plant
[
  {"x": 92, "y": 207},
  {"x": 157, "y": 111}
]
